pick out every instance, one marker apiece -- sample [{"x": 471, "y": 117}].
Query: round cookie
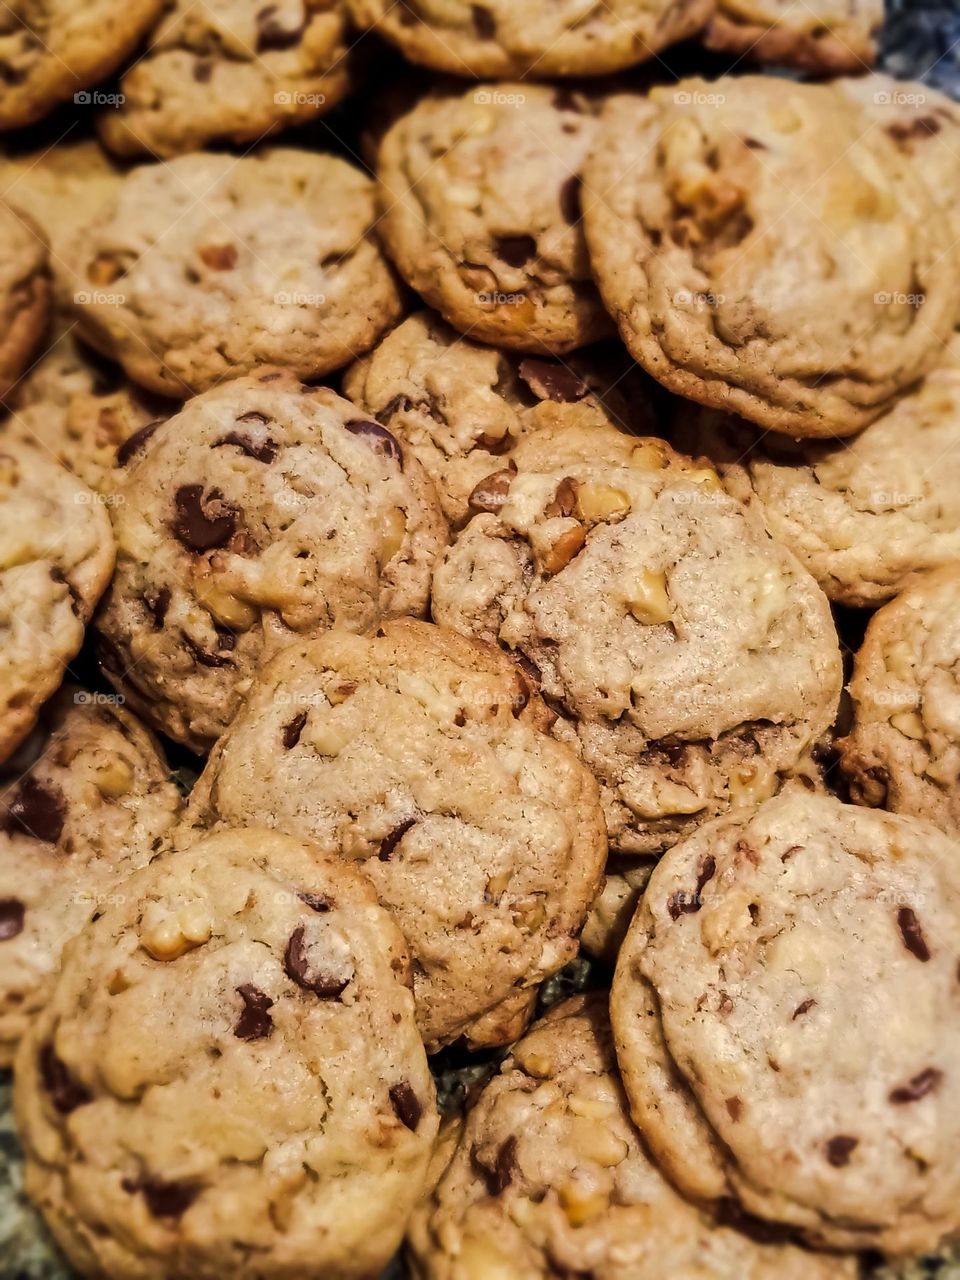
[
  {"x": 462, "y": 407},
  {"x": 691, "y": 660},
  {"x": 505, "y": 38},
  {"x": 53, "y": 50},
  {"x": 86, "y": 800},
  {"x": 767, "y": 250},
  {"x": 227, "y": 1078},
  {"x": 787, "y": 1024},
  {"x": 481, "y": 214},
  {"x": 24, "y": 294},
  {"x": 263, "y": 512},
  {"x": 238, "y": 72},
  {"x": 826, "y": 36},
  {"x": 424, "y": 757},
  {"x": 56, "y": 558},
  {"x": 205, "y": 267},
  {"x": 862, "y": 514},
  {"x": 902, "y": 752},
  {"x": 549, "y": 1177}
]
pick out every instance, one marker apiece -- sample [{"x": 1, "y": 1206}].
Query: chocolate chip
[
  {"x": 318, "y": 902},
  {"x": 219, "y": 257},
  {"x": 293, "y": 730},
  {"x": 685, "y": 904},
  {"x": 491, "y": 492},
  {"x": 157, "y": 605},
  {"x": 133, "y": 444},
  {"x": 12, "y": 912},
  {"x": 262, "y": 451},
  {"x": 270, "y": 33},
  {"x": 505, "y": 1166},
  {"x": 201, "y": 526},
  {"x": 203, "y": 656},
  {"x": 734, "y": 1108},
  {"x": 202, "y": 71},
  {"x": 552, "y": 381},
  {"x": 803, "y": 1008},
  {"x": 65, "y": 1092},
  {"x": 11, "y": 75},
  {"x": 925, "y": 127},
  {"x": 297, "y": 967},
  {"x": 912, "y": 934},
  {"x": 918, "y": 1087},
  {"x": 163, "y": 1199},
  {"x": 564, "y": 502},
  {"x": 390, "y": 842},
  {"x": 564, "y": 100},
  {"x": 379, "y": 437},
  {"x": 484, "y": 22},
  {"x": 406, "y": 1104},
  {"x": 37, "y": 809},
  {"x": 254, "y": 1022},
  {"x": 516, "y": 251},
  {"x": 393, "y": 406},
  {"x": 570, "y": 200},
  {"x": 839, "y": 1149}
]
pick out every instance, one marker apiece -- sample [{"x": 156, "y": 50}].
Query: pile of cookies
[{"x": 437, "y": 553}]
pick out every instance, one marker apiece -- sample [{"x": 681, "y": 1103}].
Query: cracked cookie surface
[
  {"x": 827, "y": 36},
  {"x": 228, "y": 1071},
  {"x": 786, "y": 1018}
]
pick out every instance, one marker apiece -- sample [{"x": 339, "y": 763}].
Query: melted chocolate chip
[
  {"x": 318, "y": 902},
  {"x": 393, "y": 406},
  {"x": 37, "y": 809},
  {"x": 552, "y": 381},
  {"x": 912, "y": 934},
  {"x": 516, "y": 251},
  {"x": 918, "y": 1087},
  {"x": 406, "y": 1104},
  {"x": 297, "y": 967},
  {"x": 202, "y": 527},
  {"x": 685, "y": 904},
  {"x": 293, "y": 730},
  {"x": 157, "y": 605},
  {"x": 491, "y": 492},
  {"x": 133, "y": 444},
  {"x": 65, "y": 1092},
  {"x": 201, "y": 655},
  {"x": 12, "y": 912},
  {"x": 505, "y": 1167},
  {"x": 389, "y": 843},
  {"x": 570, "y": 201},
  {"x": 163, "y": 1199},
  {"x": 484, "y": 22},
  {"x": 839, "y": 1149},
  {"x": 262, "y": 451},
  {"x": 379, "y": 437},
  {"x": 803, "y": 1008},
  {"x": 254, "y": 1022}
]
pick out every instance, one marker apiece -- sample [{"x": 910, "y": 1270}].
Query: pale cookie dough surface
[
  {"x": 691, "y": 660},
  {"x": 85, "y": 801},
  {"x": 862, "y": 514},
  {"x": 903, "y": 750},
  {"x": 234, "y": 69},
  {"x": 228, "y": 1079},
  {"x": 768, "y": 250},
  {"x": 424, "y": 757},
  {"x": 788, "y": 1025},
  {"x": 263, "y": 512},
  {"x": 51, "y": 50},
  {"x": 462, "y": 407},
  {"x": 24, "y": 293},
  {"x": 201, "y": 269},
  {"x": 549, "y": 1177},
  {"x": 826, "y": 36},
  {"x": 56, "y": 558},
  {"x": 520, "y": 37},
  {"x": 481, "y": 213}
]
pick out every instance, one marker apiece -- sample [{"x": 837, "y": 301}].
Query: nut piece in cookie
[
  {"x": 24, "y": 293},
  {"x": 766, "y": 251},
  {"x": 548, "y": 1176},
  {"x": 481, "y": 213},
  {"x": 264, "y": 511},
  {"x": 84, "y": 802},
  {"x": 826, "y": 36},
  {"x": 424, "y": 757},
  {"x": 209, "y": 266},
  {"x": 786, "y": 1021},
  {"x": 227, "y": 1078}
]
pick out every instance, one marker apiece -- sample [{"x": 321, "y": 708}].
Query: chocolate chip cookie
[
  {"x": 227, "y": 1078},
  {"x": 235, "y": 71},
  {"x": 54, "y": 50},
  {"x": 462, "y": 406},
  {"x": 549, "y": 1177},
  {"x": 506, "y": 38},
  {"x": 262, "y": 513},
  {"x": 903, "y": 750},
  {"x": 862, "y": 514},
  {"x": 84, "y": 802},
  {"x": 826, "y": 36},
  {"x": 767, "y": 250},
  {"x": 24, "y": 293},
  {"x": 481, "y": 213},
  {"x": 56, "y": 558},
  {"x": 786, "y": 1018},
  {"x": 690, "y": 659},
  {"x": 208, "y": 266},
  {"x": 424, "y": 757}
]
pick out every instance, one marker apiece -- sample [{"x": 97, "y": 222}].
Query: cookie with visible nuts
[
  {"x": 209, "y": 266},
  {"x": 787, "y": 1024},
  {"x": 549, "y": 1176},
  {"x": 227, "y": 1078},
  {"x": 263, "y": 513},
  {"x": 827, "y": 36},
  {"x": 424, "y": 757},
  {"x": 481, "y": 214},
  {"x": 86, "y": 800},
  {"x": 24, "y": 294},
  {"x": 690, "y": 659}
]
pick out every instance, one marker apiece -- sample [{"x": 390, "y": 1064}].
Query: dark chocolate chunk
[
  {"x": 918, "y": 1087},
  {"x": 516, "y": 251},
  {"x": 803, "y": 1008},
  {"x": 484, "y": 22},
  {"x": 406, "y": 1104},
  {"x": 254, "y": 1022},
  {"x": 389, "y": 843},
  {"x": 293, "y": 729},
  {"x": 553, "y": 381},
  {"x": 912, "y": 934},
  {"x": 65, "y": 1092},
  {"x": 379, "y": 437},
  {"x": 37, "y": 809},
  {"x": 163, "y": 1199},
  {"x": 297, "y": 967},
  {"x": 201, "y": 525},
  {"x": 685, "y": 904},
  {"x": 261, "y": 450},
  {"x": 570, "y": 201},
  {"x": 839, "y": 1149},
  {"x": 12, "y": 912},
  {"x": 157, "y": 605},
  {"x": 133, "y": 444},
  {"x": 506, "y": 1165}
]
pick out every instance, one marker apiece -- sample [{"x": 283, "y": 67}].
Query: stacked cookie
[{"x": 344, "y": 727}]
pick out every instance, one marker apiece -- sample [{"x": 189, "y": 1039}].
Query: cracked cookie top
[{"x": 832, "y": 37}]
